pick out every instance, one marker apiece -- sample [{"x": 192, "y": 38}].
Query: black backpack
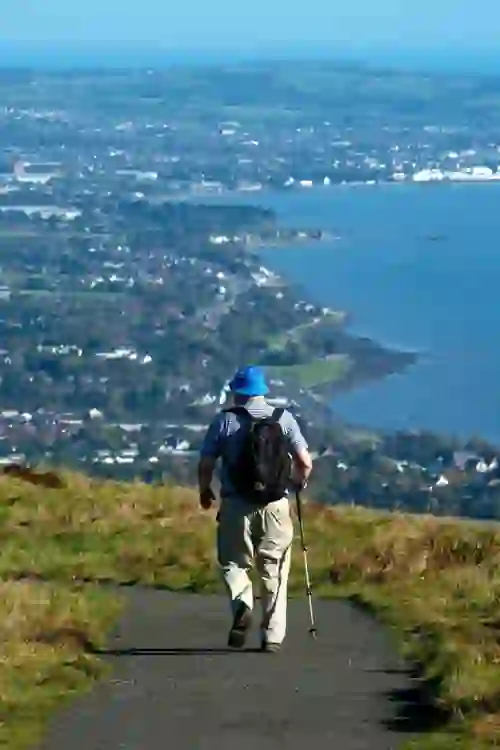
[{"x": 262, "y": 471}]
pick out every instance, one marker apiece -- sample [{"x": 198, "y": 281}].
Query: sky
[{"x": 256, "y": 25}]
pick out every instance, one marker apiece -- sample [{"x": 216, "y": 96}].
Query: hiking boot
[
  {"x": 269, "y": 648},
  {"x": 241, "y": 623}
]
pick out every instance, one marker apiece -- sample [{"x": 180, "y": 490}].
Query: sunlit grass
[
  {"x": 315, "y": 373},
  {"x": 47, "y": 633}
]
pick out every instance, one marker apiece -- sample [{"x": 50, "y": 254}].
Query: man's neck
[{"x": 252, "y": 401}]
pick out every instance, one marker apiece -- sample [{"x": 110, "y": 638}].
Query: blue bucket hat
[{"x": 249, "y": 381}]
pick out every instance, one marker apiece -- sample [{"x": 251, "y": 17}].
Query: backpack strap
[
  {"x": 277, "y": 414},
  {"x": 239, "y": 411}
]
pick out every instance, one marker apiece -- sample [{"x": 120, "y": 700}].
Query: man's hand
[
  {"x": 302, "y": 467},
  {"x": 206, "y": 468},
  {"x": 207, "y": 497}
]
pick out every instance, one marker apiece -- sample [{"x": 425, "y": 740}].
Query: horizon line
[{"x": 87, "y": 54}]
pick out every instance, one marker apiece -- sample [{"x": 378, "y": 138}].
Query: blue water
[
  {"x": 126, "y": 54},
  {"x": 440, "y": 298}
]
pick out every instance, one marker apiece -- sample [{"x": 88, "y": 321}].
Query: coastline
[
  {"x": 253, "y": 197},
  {"x": 324, "y": 400},
  {"x": 369, "y": 359}
]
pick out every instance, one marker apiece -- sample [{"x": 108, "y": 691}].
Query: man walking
[{"x": 262, "y": 449}]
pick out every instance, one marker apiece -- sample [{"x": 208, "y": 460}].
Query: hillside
[
  {"x": 435, "y": 580},
  {"x": 118, "y": 339}
]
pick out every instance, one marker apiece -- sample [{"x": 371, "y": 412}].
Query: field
[
  {"x": 437, "y": 582},
  {"x": 314, "y": 373}
]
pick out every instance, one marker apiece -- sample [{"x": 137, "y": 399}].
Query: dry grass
[
  {"x": 45, "y": 635},
  {"x": 105, "y": 532},
  {"x": 437, "y": 581}
]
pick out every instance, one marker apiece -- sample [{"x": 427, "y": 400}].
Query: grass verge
[
  {"x": 436, "y": 581},
  {"x": 46, "y": 632}
]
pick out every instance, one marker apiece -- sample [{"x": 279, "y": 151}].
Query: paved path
[{"x": 174, "y": 684}]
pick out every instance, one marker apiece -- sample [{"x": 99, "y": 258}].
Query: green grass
[
  {"x": 315, "y": 373},
  {"x": 437, "y": 582}
]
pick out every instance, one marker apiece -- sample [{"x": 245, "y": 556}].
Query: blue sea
[
  {"x": 418, "y": 268},
  {"x": 76, "y": 55}
]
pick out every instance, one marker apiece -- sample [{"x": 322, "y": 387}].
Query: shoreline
[
  {"x": 370, "y": 359},
  {"x": 252, "y": 197}
]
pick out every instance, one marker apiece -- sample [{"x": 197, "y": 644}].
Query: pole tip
[{"x": 314, "y": 633}]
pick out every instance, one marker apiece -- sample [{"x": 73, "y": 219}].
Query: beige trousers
[{"x": 263, "y": 536}]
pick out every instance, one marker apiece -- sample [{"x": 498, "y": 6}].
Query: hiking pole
[{"x": 312, "y": 629}]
